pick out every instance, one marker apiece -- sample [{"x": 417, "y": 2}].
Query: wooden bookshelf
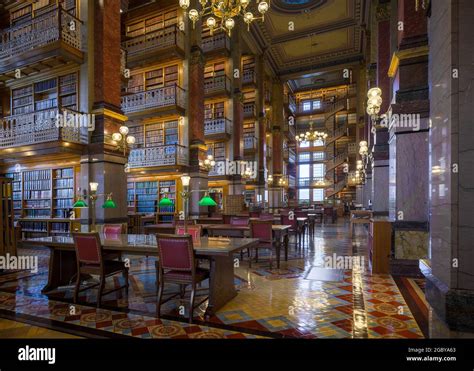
[
  {"x": 25, "y": 11},
  {"x": 151, "y": 25},
  {"x": 155, "y": 134},
  {"x": 43, "y": 199},
  {"x": 217, "y": 150},
  {"x": 61, "y": 91},
  {"x": 214, "y": 69},
  {"x": 155, "y": 78},
  {"x": 7, "y": 230},
  {"x": 214, "y": 110},
  {"x": 146, "y": 197},
  {"x": 143, "y": 198}
]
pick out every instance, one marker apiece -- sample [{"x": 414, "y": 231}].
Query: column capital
[{"x": 382, "y": 12}]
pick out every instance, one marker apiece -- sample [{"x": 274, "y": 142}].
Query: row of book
[
  {"x": 65, "y": 193},
  {"x": 45, "y": 85},
  {"x": 34, "y": 226},
  {"x": 65, "y": 173},
  {"x": 64, "y": 203},
  {"x": 34, "y": 213},
  {"x": 37, "y": 204},
  {"x": 60, "y": 227},
  {"x": 46, "y": 104},
  {"x": 64, "y": 183},
  {"x": 62, "y": 213},
  {"x": 36, "y": 175},
  {"x": 31, "y": 195}
]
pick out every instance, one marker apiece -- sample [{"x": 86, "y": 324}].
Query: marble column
[
  {"x": 236, "y": 187},
  {"x": 276, "y": 192},
  {"x": 104, "y": 163},
  {"x": 380, "y": 153},
  {"x": 197, "y": 146},
  {"x": 408, "y": 140},
  {"x": 262, "y": 142},
  {"x": 450, "y": 278}
]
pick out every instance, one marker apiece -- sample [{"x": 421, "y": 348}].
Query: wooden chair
[
  {"x": 239, "y": 220},
  {"x": 113, "y": 230},
  {"x": 177, "y": 264},
  {"x": 90, "y": 261},
  {"x": 263, "y": 231},
  {"x": 194, "y": 230},
  {"x": 294, "y": 229}
]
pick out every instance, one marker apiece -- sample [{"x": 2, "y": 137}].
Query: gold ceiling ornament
[{"x": 220, "y": 13}]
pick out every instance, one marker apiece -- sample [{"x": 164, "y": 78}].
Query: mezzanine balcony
[
  {"x": 154, "y": 46},
  {"x": 217, "y": 86},
  {"x": 164, "y": 156},
  {"x": 250, "y": 111},
  {"x": 52, "y": 38},
  {"x": 219, "y": 128},
  {"x": 45, "y": 131},
  {"x": 169, "y": 99},
  {"x": 218, "y": 43},
  {"x": 250, "y": 144},
  {"x": 249, "y": 77}
]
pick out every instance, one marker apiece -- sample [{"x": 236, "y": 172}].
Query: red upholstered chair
[
  {"x": 329, "y": 213},
  {"x": 263, "y": 231},
  {"x": 194, "y": 230},
  {"x": 291, "y": 221},
  {"x": 90, "y": 260},
  {"x": 113, "y": 231},
  {"x": 239, "y": 220},
  {"x": 254, "y": 214},
  {"x": 267, "y": 217},
  {"x": 177, "y": 264}
]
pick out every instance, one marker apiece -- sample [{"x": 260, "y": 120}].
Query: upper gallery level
[
  {"x": 40, "y": 36},
  {"x": 154, "y": 90},
  {"x": 43, "y": 111}
]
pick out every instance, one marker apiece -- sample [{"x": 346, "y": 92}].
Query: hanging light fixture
[
  {"x": 207, "y": 200},
  {"x": 220, "y": 13},
  {"x": 311, "y": 135},
  {"x": 374, "y": 102}
]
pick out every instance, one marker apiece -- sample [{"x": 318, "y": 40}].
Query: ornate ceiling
[{"x": 300, "y": 36}]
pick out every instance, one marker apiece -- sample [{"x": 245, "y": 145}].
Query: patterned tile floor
[{"x": 271, "y": 303}]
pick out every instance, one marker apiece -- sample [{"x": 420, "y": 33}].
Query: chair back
[
  {"x": 328, "y": 210},
  {"x": 286, "y": 220},
  {"x": 88, "y": 248},
  {"x": 254, "y": 214},
  {"x": 261, "y": 230},
  {"x": 175, "y": 252},
  {"x": 239, "y": 220},
  {"x": 193, "y": 230},
  {"x": 177, "y": 221},
  {"x": 226, "y": 218},
  {"x": 267, "y": 217},
  {"x": 113, "y": 229},
  {"x": 301, "y": 214}
]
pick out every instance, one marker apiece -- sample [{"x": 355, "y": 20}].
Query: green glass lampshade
[
  {"x": 207, "y": 201},
  {"x": 165, "y": 201},
  {"x": 109, "y": 203},
  {"x": 79, "y": 204}
]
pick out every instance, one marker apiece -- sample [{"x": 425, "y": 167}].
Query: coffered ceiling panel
[{"x": 300, "y": 36}]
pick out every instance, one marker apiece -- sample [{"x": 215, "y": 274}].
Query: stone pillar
[
  {"x": 450, "y": 281},
  {"x": 103, "y": 163},
  {"x": 262, "y": 142},
  {"x": 408, "y": 141},
  {"x": 236, "y": 186},
  {"x": 197, "y": 146},
  {"x": 275, "y": 193},
  {"x": 380, "y": 152}
]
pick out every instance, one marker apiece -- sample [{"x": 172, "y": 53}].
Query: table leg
[
  {"x": 278, "y": 249},
  {"x": 221, "y": 285},
  {"x": 286, "y": 241},
  {"x": 62, "y": 268}
]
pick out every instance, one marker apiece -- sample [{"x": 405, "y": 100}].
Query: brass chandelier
[
  {"x": 311, "y": 135},
  {"x": 220, "y": 13}
]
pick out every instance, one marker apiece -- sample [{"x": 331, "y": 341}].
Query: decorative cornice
[
  {"x": 110, "y": 113},
  {"x": 405, "y": 54}
]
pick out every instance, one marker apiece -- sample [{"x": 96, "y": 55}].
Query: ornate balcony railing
[
  {"x": 218, "y": 41},
  {"x": 250, "y": 143},
  {"x": 155, "y": 41},
  {"x": 156, "y": 98},
  {"x": 336, "y": 161},
  {"x": 217, "y": 126},
  {"x": 216, "y": 84},
  {"x": 166, "y": 155},
  {"x": 249, "y": 110},
  {"x": 248, "y": 77},
  {"x": 43, "y": 126},
  {"x": 54, "y": 25}
]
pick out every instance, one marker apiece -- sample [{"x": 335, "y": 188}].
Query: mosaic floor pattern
[{"x": 271, "y": 302}]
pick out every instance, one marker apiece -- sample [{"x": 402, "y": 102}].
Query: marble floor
[{"x": 302, "y": 299}]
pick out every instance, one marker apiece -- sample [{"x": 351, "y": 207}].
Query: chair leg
[
  {"x": 191, "y": 303},
  {"x": 182, "y": 291},
  {"x": 125, "y": 276},
  {"x": 157, "y": 281},
  {"x": 101, "y": 290},
  {"x": 160, "y": 296},
  {"x": 256, "y": 255},
  {"x": 76, "y": 289}
]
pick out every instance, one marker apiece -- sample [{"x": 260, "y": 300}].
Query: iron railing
[
  {"x": 156, "y": 98},
  {"x": 155, "y": 41},
  {"x": 217, "y": 126},
  {"x": 165, "y": 155}
]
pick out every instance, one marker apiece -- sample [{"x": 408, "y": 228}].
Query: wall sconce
[
  {"x": 363, "y": 149},
  {"x": 374, "y": 102},
  {"x": 209, "y": 162},
  {"x": 270, "y": 179},
  {"x": 93, "y": 196}
]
